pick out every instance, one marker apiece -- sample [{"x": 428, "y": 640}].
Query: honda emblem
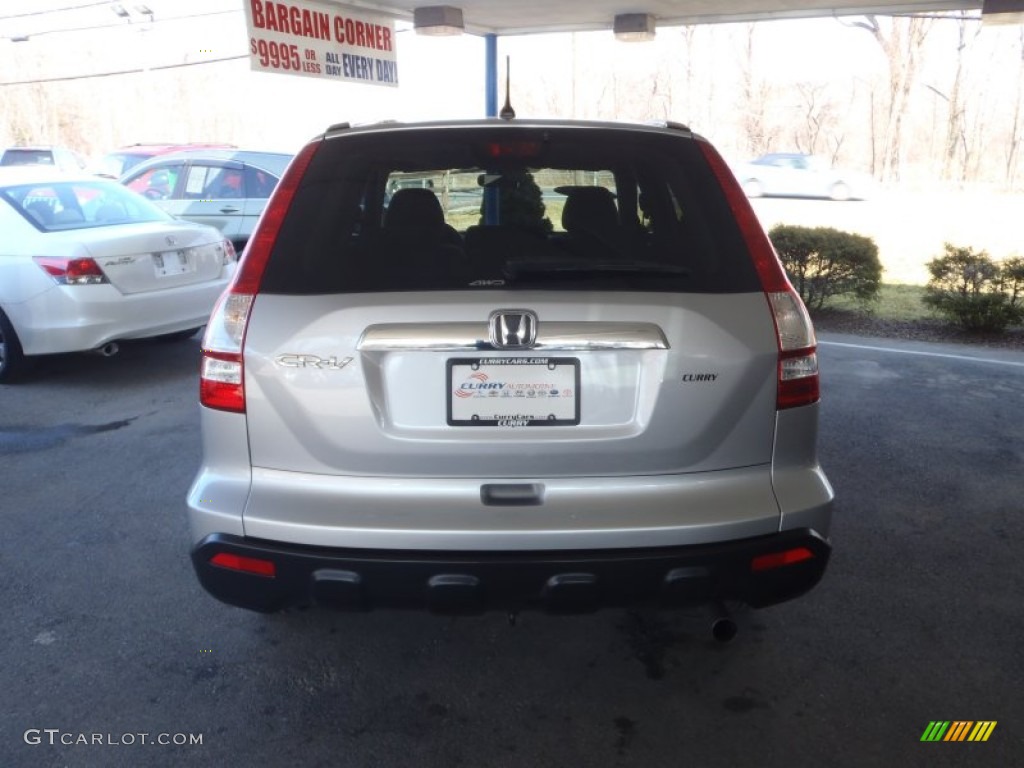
[{"x": 513, "y": 329}]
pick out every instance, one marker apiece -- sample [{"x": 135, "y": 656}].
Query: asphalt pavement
[{"x": 110, "y": 646}]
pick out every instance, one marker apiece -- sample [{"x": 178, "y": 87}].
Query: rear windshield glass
[
  {"x": 27, "y": 157},
  {"x": 65, "y": 205},
  {"x": 459, "y": 209}
]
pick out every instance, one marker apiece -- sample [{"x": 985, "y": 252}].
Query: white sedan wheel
[
  {"x": 753, "y": 188},
  {"x": 12, "y": 361},
  {"x": 839, "y": 191}
]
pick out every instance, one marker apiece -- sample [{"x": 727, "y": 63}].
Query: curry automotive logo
[{"x": 958, "y": 730}]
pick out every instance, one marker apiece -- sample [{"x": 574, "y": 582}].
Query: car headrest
[
  {"x": 413, "y": 209},
  {"x": 589, "y": 209}
]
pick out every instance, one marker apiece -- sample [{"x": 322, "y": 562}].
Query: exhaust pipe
[
  {"x": 107, "y": 350},
  {"x": 723, "y": 628}
]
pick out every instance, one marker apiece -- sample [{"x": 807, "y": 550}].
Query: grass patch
[
  {"x": 899, "y": 314},
  {"x": 895, "y": 301}
]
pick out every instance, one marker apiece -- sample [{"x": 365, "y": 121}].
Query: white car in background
[
  {"x": 61, "y": 158},
  {"x": 85, "y": 263},
  {"x": 791, "y": 174}
]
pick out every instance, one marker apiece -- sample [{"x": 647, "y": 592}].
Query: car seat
[
  {"x": 415, "y": 216},
  {"x": 591, "y": 218},
  {"x": 41, "y": 211},
  {"x": 415, "y": 244}
]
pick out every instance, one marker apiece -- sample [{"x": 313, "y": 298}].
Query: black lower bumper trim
[{"x": 471, "y": 582}]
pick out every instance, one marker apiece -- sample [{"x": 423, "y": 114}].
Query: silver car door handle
[{"x": 230, "y": 209}]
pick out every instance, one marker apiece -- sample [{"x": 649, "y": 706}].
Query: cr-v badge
[{"x": 312, "y": 361}]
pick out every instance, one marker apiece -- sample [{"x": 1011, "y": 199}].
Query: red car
[{"x": 115, "y": 164}]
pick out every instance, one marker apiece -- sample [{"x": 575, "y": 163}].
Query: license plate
[
  {"x": 514, "y": 392},
  {"x": 170, "y": 263}
]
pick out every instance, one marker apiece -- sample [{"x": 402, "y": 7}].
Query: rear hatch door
[{"x": 631, "y": 384}]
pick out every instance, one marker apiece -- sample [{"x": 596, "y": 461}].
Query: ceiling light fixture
[
  {"x": 438, "y": 20},
  {"x": 634, "y": 27}
]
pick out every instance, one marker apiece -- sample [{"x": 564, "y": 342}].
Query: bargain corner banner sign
[{"x": 320, "y": 40}]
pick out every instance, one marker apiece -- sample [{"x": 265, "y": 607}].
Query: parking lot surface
[{"x": 107, "y": 636}]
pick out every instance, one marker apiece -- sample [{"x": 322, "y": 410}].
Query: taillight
[
  {"x": 220, "y": 382},
  {"x": 221, "y": 373},
  {"x": 229, "y": 255},
  {"x": 72, "y": 271},
  {"x": 222, "y": 370},
  {"x": 798, "y": 381},
  {"x": 798, "y": 358}
]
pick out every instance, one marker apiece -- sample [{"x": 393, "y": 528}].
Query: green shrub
[
  {"x": 1012, "y": 276},
  {"x": 823, "y": 262},
  {"x": 522, "y": 204},
  {"x": 975, "y": 292}
]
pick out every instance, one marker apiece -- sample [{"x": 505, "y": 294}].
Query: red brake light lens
[
  {"x": 221, "y": 373},
  {"x": 798, "y": 379},
  {"x": 220, "y": 382},
  {"x": 781, "y": 559},
  {"x": 244, "y": 564},
  {"x": 517, "y": 149},
  {"x": 72, "y": 271}
]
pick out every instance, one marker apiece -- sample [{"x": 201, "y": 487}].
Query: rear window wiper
[{"x": 524, "y": 268}]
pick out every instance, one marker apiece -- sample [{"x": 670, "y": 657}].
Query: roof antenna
[{"x": 507, "y": 113}]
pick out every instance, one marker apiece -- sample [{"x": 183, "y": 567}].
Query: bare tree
[
  {"x": 697, "y": 80},
  {"x": 1016, "y": 137},
  {"x": 818, "y": 116},
  {"x": 902, "y": 41},
  {"x": 661, "y": 95},
  {"x": 755, "y": 96},
  {"x": 31, "y": 114},
  {"x": 956, "y": 127},
  {"x": 689, "y": 35}
]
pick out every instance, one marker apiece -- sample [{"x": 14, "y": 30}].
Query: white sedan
[
  {"x": 791, "y": 174},
  {"x": 85, "y": 263}
]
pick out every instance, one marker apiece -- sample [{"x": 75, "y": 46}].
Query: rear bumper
[
  {"x": 83, "y": 317},
  {"x": 471, "y": 582}
]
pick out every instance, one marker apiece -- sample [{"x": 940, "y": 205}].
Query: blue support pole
[
  {"x": 492, "y": 203},
  {"x": 490, "y": 75}
]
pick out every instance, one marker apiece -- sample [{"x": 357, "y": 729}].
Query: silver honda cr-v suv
[{"x": 509, "y": 365}]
